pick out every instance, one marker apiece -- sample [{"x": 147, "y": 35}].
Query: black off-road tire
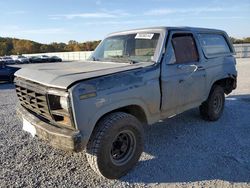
[
  {"x": 212, "y": 108},
  {"x": 102, "y": 153}
]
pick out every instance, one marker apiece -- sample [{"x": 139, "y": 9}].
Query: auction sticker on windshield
[
  {"x": 27, "y": 126},
  {"x": 144, "y": 35}
]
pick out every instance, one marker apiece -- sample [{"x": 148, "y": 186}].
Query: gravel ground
[{"x": 183, "y": 151}]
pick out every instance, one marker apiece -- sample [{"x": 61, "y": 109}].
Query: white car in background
[
  {"x": 20, "y": 59},
  {"x": 8, "y": 60}
]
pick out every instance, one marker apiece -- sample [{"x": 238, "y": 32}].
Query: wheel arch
[
  {"x": 133, "y": 109},
  {"x": 227, "y": 83},
  {"x": 137, "y": 109}
]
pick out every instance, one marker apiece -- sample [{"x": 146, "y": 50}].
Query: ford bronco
[{"x": 133, "y": 78}]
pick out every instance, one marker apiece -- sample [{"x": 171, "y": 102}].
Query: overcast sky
[{"x": 81, "y": 20}]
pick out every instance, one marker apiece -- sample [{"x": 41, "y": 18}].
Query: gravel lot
[{"x": 183, "y": 151}]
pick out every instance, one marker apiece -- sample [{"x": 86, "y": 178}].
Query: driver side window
[{"x": 185, "y": 49}]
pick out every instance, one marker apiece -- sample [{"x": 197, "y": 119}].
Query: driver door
[{"x": 183, "y": 78}]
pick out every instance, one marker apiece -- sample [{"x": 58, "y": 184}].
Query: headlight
[
  {"x": 64, "y": 103},
  {"x": 60, "y": 108}
]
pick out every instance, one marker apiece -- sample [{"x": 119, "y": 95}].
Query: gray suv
[{"x": 133, "y": 78}]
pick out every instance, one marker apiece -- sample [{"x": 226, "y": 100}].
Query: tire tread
[
  {"x": 94, "y": 144},
  {"x": 205, "y": 109}
]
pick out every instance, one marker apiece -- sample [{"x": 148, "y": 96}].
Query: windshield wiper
[
  {"x": 94, "y": 59},
  {"x": 125, "y": 58},
  {"x": 133, "y": 61}
]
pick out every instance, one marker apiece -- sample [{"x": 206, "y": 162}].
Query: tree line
[
  {"x": 13, "y": 46},
  {"x": 240, "y": 41}
]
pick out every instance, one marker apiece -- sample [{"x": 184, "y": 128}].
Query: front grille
[
  {"x": 33, "y": 97},
  {"x": 36, "y": 99}
]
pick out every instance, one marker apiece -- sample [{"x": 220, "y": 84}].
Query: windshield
[{"x": 138, "y": 47}]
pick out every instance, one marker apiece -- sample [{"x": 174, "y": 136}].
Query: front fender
[
  {"x": 117, "y": 105},
  {"x": 139, "y": 87}
]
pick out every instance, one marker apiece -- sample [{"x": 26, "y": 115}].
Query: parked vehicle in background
[
  {"x": 1, "y": 60},
  {"x": 44, "y": 59},
  {"x": 132, "y": 79},
  {"x": 7, "y": 72},
  {"x": 8, "y": 60},
  {"x": 35, "y": 59},
  {"x": 20, "y": 59},
  {"x": 55, "y": 59}
]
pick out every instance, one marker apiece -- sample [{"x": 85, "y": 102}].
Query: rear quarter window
[{"x": 214, "y": 44}]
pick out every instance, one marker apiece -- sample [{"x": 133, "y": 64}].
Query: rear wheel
[
  {"x": 213, "y": 107},
  {"x": 116, "y": 145}
]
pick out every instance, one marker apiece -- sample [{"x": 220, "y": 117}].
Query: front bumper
[{"x": 62, "y": 138}]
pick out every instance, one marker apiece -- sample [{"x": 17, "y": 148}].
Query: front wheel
[
  {"x": 213, "y": 107},
  {"x": 116, "y": 145}
]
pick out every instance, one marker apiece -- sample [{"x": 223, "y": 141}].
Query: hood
[{"x": 62, "y": 75}]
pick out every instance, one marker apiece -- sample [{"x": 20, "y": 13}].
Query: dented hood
[{"x": 62, "y": 75}]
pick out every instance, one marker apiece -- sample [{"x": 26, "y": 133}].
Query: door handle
[
  {"x": 188, "y": 67},
  {"x": 201, "y": 68},
  {"x": 192, "y": 68}
]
